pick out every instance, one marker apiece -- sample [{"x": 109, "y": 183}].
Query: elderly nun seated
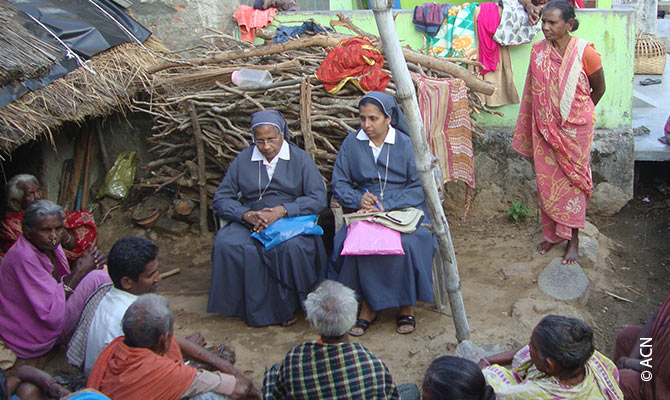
[
  {"x": 331, "y": 367},
  {"x": 40, "y": 297},
  {"x": 269, "y": 181}
]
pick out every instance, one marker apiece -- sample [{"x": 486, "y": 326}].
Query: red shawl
[
  {"x": 356, "y": 60},
  {"x": 131, "y": 373},
  {"x": 81, "y": 223}
]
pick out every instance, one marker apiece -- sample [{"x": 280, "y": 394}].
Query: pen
[{"x": 376, "y": 204}]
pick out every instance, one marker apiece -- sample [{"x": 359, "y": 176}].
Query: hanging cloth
[{"x": 354, "y": 60}]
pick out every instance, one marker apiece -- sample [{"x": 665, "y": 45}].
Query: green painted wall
[{"x": 611, "y": 31}]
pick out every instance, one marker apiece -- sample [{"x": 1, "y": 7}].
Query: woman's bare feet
[
  {"x": 572, "y": 250},
  {"x": 543, "y": 247}
]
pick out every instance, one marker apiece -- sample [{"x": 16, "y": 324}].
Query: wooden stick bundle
[{"x": 189, "y": 108}]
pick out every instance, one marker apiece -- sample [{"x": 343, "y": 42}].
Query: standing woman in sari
[
  {"x": 374, "y": 171},
  {"x": 555, "y": 125}
]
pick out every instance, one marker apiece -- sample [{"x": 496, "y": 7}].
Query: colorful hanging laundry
[
  {"x": 487, "y": 23},
  {"x": 249, "y": 19},
  {"x": 514, "y": 27},
  {"x": 354, "y": 60},
  {"x": 445, "y": 112},
  {"x": 429, "y": 17},
  {"x": 456, "y": 38}
]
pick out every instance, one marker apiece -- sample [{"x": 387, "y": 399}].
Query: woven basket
[{"x": 650, "y": 55}]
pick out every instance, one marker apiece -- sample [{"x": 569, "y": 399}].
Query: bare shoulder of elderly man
[{"x": 41, "y": 298}]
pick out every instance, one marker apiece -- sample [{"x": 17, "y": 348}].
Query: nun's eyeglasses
[{"x": 267, "y": 141}]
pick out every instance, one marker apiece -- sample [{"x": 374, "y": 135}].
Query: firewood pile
[{"x": 199, "y": 114}]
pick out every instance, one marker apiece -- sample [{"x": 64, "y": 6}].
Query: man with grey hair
[
  {"x": 331, "y": 367},
  {"x": 41, "y": 294},
  {"x": 147, "y": 364},
  {"x": 22, "y": 190}
]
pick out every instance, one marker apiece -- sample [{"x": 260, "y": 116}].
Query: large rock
[
  {"x": 607, "y": 200},
  {"x": 589, "y": 250},
  {"x": 171, "y": 226},
  {"x": 502, "y": 176},
  {"x": 566, "y": 282}
]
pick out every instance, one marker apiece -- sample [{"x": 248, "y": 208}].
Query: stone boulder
[
  {"x": 502, "y": 176},
  {"x": 607, "y": 200},
  {"x": 566, "y": 282}
]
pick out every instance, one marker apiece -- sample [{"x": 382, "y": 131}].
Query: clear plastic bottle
[{"x": 246, "y": 78}]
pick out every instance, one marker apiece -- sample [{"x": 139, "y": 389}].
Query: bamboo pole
[
  {"x": 202, "y": 178},
  {"x": 406, "y": 93},
  {"x": 306, "y": 117}
]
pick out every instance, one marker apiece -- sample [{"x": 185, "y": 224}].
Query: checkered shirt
[{"x": 317, "y": 370}]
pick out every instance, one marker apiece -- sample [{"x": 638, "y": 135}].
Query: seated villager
[
  {"x": 29, "y": 383},
  {"x": 79, "y": 231},
  {"x": 374, "y": 171},
  {"x": 41, "y": 298},
  {"x": 455, "y": 378},
  {"x": 147, "y": 363},
  {"x": 559, "y": 362},
  {"x": 270, "y": 180},
  {"x": 331, "y": 367},
  {"x": 133, "y": 266},
  {"x": 635, "y": 359}
]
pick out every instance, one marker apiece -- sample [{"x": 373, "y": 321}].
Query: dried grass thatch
[
  {"x": 22, "y": 55},
  {"x": 120, "y": 73}
]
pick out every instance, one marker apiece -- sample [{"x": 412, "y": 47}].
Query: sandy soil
[{"x": 502, "y": 307}]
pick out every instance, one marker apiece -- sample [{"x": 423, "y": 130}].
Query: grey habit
[
  {"x": 266, "y": 287},
  {"x": 383, "y": 281}
]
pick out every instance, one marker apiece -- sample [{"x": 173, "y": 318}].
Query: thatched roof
[
  {"x": 22, "y": 55},
  {"x": 120, "y": 73}
]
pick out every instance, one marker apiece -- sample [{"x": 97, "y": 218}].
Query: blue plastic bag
[{"x": 284, "y": 229}]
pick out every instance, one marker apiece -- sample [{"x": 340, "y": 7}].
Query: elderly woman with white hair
[
  {"x": 331, "y": 367},
  {"x": 41, "y": 295},
  {"x": 79, "y": 233}
]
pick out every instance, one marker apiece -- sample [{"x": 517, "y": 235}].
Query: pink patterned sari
[{"x": 555, "y": 130}]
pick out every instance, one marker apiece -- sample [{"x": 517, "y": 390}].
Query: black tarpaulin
[{"x": 87, "y": 27}]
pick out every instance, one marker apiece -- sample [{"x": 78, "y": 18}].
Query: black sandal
[
  {"x": 362, "y": 324},
  {"x": 403, "y": 320}
]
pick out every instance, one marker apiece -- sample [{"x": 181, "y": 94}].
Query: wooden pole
[
  {"x": 306, "y": 117},
  {"x": 406, "y": 94},
  {"x": 202, "y": 177},
  {"x": 101, "y": 144},
  {"x": 90, "y": 134},
  {"x": 77, "y": 166}
]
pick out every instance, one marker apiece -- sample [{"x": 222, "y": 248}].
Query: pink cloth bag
[{"x": 370, "y": 238}]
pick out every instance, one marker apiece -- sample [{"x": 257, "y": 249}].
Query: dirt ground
[{"x": 502, "y": 307}]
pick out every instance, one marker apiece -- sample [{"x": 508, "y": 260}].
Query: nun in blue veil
[
  {"x": 374, "y": 170},
  {"x": 271, "y": 179}
]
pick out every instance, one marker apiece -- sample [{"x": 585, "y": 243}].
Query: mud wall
[{"x": 179, "y": 24}]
